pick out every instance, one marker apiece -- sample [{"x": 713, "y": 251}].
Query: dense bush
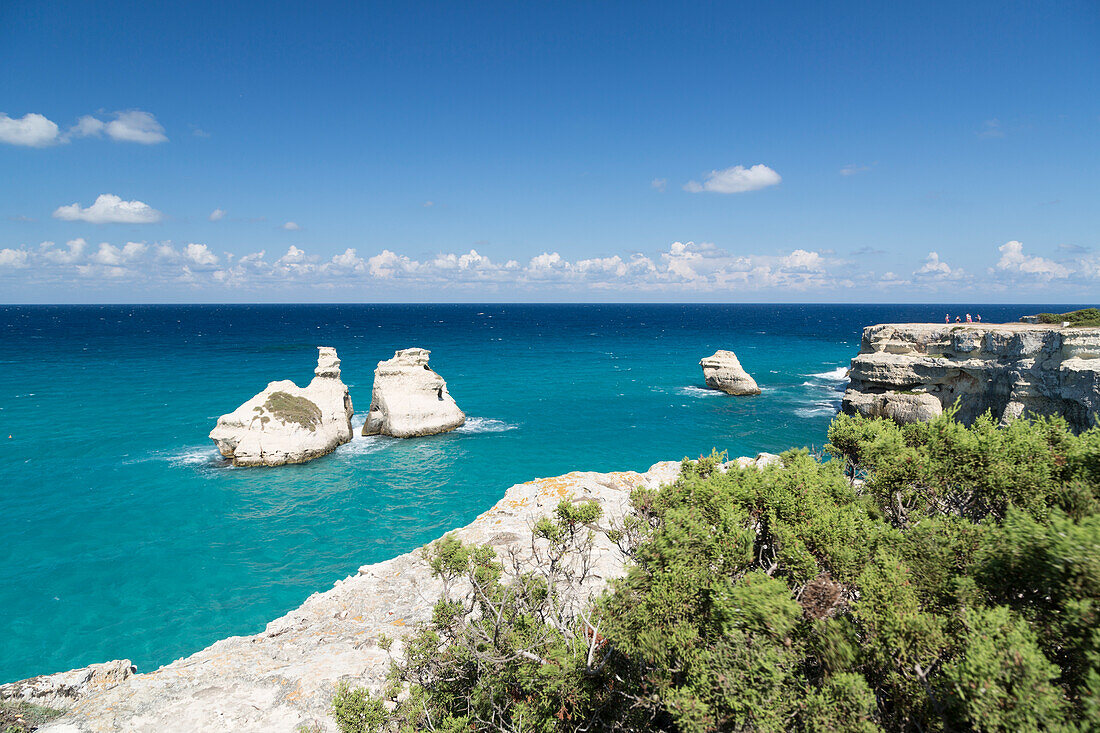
[
  {"x": 1083, "y": 317},
  {"x": 930, "y": 577}
]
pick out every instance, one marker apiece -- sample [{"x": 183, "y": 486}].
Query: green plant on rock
[
  {"x": 294, "y": 409},
  {"x": 956, "y": 587}
]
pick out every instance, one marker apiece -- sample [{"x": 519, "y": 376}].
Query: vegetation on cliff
[
  {"x": 930, "y": 577},
  {"x": 1083, "y": 317}
]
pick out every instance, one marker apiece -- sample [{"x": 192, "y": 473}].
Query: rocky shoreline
[
  {"x": 913, "y": 371},
  {"x": 285, "y": 676}
]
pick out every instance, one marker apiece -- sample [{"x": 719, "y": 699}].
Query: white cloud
[
  {"x": 387, "y": 264},
  {"x": 13, "y": 257},
  {"x": 87, "y": 126},
  {"x": 800, "y": 259},
  {"x": 347, "y": 262},
  {"x": 74, "y": 251},
  {"x": 291, "y": 226},
  {"x": 428, "y": 204},
  {"x": 109, "y": 254},
  {"x": 934, "y": 267},
  {"x": 737, "y": 179},
  {"x": 682, "y": 268},
  {"x": 35, "y": 130},
  {"x": 852, "y": 169},
  {"x": 200, "y": 254},
  {"x": 991, "y": 128},
  {"x": 659, "y": 184},
  {"x": 110, "y": 209},
  {"x": 1013, "y": 260},
  {"x": 217, "y": 215},
  {"x": 131, "y": 126},
  {"x": 31, "y": 130}
]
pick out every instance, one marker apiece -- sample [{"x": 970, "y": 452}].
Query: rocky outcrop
[
  {"x": 723, "y": 371},
  {"x": 286, "y": 676},
  {"x": 289, "y": 424},
  {"x": 64, "y": 689},
  {"x": 409, "y": 399},
  {"x": 911, "y": 372}
]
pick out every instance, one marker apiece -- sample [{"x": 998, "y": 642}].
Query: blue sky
[{"x": 549, "y": 151}]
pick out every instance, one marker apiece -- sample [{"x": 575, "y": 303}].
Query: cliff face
[{"x": 912, "y": 371}]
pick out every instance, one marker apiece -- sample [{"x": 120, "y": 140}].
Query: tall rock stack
[{"x": 289, "y": 424}]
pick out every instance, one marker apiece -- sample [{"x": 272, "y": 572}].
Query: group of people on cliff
[{"x": 958, "y": 319}]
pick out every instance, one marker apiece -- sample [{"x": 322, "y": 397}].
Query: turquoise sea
[{"x": 125, "y": 536}]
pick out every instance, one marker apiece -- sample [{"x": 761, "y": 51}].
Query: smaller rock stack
[
  {"x": 724, "y": 372},
  {"x": 409, "y": 399}
]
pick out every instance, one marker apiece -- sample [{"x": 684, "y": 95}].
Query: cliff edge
[
  {"x": 286, "y": 676},
  {"x": 912, "y": 371}
]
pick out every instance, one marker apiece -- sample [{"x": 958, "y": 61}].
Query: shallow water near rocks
[{"x": 125, "y": 535}]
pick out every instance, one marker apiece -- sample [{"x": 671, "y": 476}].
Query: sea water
[{"x": 123, "y": 534}]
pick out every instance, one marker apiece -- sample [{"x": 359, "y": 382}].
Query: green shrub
[
  {"x": 955, "y": 588},
  {"x": 1083, "y": 317}
]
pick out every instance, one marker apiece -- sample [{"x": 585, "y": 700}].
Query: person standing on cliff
[
  {"x": 947, "y": 318},
  {"x": 969, "y": 319}
]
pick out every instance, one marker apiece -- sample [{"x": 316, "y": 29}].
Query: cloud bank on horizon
[{"x": 683, "y": 270}]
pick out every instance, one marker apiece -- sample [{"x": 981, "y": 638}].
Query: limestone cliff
[
  {"x": 912, "y": 371},
  {"x": 286, "y": 423}
]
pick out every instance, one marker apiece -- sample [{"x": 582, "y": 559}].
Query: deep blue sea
[{"x": 125, "y": 536}]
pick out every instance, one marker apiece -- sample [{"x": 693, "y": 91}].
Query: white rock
[
  {"x": 62, "y": 690},
  {"x": 409, "y": 399},
  {"x": 289, "y": 424},
  {"x": 723, "y": 371},
  {"x": 1010, "y": 370},
  {"x": 285, "y": 676}
]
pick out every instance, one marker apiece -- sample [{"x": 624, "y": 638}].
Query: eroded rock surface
[
  {"x": 286, "y": 676},
  {"x": 409, "y": 399},
  {"x": 723, "y": 371},
  {"x": 912, "y": 371},
  {"x": 65, "y": 689},
  {"x": 289, "y": 424}
]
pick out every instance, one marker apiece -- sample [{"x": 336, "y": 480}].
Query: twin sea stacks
[{"x": 286, "y": 423}]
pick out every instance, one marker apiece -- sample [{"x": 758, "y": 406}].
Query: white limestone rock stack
[
  {"x": 724, "y": 372},
  {"x": 409, "y": 399},
  {"x": 911, "y": 372},
  {"x": 289, "y": 424}
]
